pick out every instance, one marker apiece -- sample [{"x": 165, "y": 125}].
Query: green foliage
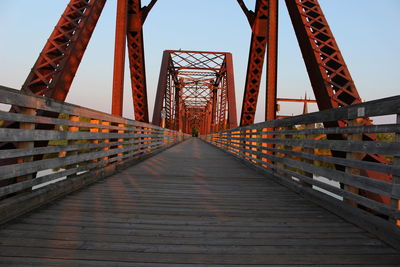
[
  {"x": 195, "y": 132},
  {"x": 386, "y": 137}
]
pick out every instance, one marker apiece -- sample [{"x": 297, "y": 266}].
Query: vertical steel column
[
  {"x": 119, "y": 58},
  {"x": 272, "y": 61},
  {"x": 161, "y": 88},
  {"x": 230, "y": 87},
  {"x": 214, "y": 109},
  {"x": 259, "y": 24},
  {"x": 136, "y": 18},
  {"x": 177, "y": 106}
]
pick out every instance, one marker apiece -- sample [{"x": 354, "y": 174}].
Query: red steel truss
[
  {"x": 195, "y": 90},
  {"x": 264, "y": 25},
  {"x": 58, "y": 62},
  {"x": 136, "y": 18},
  {"x": 330, "y": 78}
]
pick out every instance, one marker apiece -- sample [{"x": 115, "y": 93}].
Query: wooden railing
[
  {"x": 49, "y": 141},
  {"x": 298, "y": 154}
]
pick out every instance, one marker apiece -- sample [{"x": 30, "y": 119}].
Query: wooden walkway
[{"x": 191, "y": 204}]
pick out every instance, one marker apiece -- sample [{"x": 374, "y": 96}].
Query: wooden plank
[
  {"x": 8, "y": 116},
  {"x": 11, "y": 261},
  {"x": 371, "y": 223},
  {"x": 377, "y": 186},
  {"x": 385, "y": 168},
  {"x": 381, "y": 128},
  {"x": 212, "y": 258},
  {"x": 50, "y": 177},
  {"x": 199, "y": 249},
  {"x": 13, "y": 153},
  {"x": 384, "y": 148},
  {"x": 14, "y": 170},
  {"x": 366, "y": 109},
  {"x": 273, "y": 239},
  {"x": 395, "y": 201},
  {"x": 359, "y": 199},
  {"x": 18, "y": 135},
  {"x": 16, "y": 97},
  {"x": 20, "y": 204}
]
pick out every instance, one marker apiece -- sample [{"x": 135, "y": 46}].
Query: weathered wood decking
[{"x": 191, "y": 204}]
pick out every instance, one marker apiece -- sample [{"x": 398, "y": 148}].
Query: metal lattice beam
[
  {"x": 136, "y": 17},
  {"x": 330, "y": 78},
  {"x": 195, "y": 90},
  {"x": 259, "y": 24},
  {"x": 58, "y": 62}
]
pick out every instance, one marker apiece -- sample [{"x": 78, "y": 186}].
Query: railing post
[
  {"x": 72, "y": 118},
  {"x": 222, "y": 138},
  {"x": 120, "y": 140},
  {"x": 284, "y": 147},
  {"x": 149, "y": 139},
  {"x": 255, "y": 143},
  {"x": 395, "y": 203},
  {"x": 28, "y": 144},
  {"x": 94, "y": 130},
  {"x": 105, "y": 130},
  {"x": 353, "y": 156},
  {"x": 263, "y": 145},
  {"x": 308, "y": 151},
  {"x": 242, "y": 134}
]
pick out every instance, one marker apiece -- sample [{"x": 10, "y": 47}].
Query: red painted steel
[
  {"x": 296, "y": 100},
  {"x": 259, "y": 23},
  {"x": 136, "y": 18},
  {"x": 330, "y": 78},
  {"x": 119, "y": 57},
  {"x": 230, "y": 84},
  {"x": 196, "y": 90},
  {"x": 272, "y": 61},
  {"x": 58, "y": 62}
]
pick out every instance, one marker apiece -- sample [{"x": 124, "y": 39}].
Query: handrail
[
  {"x": 293, "y": 152},
  {"x": 51, "y": 141}
]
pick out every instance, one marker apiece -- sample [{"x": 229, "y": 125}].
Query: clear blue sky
[{"x": 367, "y": 31}]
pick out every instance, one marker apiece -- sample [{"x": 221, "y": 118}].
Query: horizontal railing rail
[
  {"x": 298, "y": 153},
  {"x": 49, "y": 141}
]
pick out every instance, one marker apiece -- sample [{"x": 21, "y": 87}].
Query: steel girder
[
  {"x": 58, "y": 62},
  {"x": 56, "y": 66},
  {"x": 119, "y": 58},
  {"x": 264, "y": 25},
  {"x": 195, "y": 90},
  {"x": 330, "y": 78},
  {"x": 136, "y": 18}
]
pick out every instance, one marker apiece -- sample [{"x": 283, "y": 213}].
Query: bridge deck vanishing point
[{"x": 191, "y": 204}]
